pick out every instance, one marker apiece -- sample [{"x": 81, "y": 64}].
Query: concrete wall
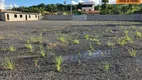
[
  {"x": 2, "y": 16},
  {"x": 134, "y": 17},
  {"x": 57, "y": 17},
  {"x": 79, "y": 17},
  {"x": 31, "y": 17}
]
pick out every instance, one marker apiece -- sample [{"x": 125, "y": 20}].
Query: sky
[{"x": 35, "y": 2}]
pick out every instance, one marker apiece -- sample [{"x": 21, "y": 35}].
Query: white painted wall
[
  {"x": 23, "y": 18},
  {"x": 32, "y": 17},
  {"x": 87, "y": 8}
]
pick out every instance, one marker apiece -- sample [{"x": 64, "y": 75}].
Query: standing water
[{"x": 86, "y": 55}]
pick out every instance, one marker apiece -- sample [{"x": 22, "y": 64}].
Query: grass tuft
[
  {"x": 132, "y": 52},
  {"x": 8, "y": 64},
  {"x": 59, "y": 61}
]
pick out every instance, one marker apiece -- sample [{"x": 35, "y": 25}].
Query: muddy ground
[{"x": 108, "y": 60}]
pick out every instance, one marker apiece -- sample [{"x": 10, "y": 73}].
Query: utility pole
[{"x": 71, "y": 8}]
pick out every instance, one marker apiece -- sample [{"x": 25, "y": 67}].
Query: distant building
[
  {"x": 18, "y": 16},
  {"x": 88, "y": 8}
]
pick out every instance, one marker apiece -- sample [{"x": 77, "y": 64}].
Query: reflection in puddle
[{"x": 86, "y": 56}]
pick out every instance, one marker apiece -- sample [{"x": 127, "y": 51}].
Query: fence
[{"x": 134, "y": 17}]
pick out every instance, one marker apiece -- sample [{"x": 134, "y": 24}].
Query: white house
[
  {"x": 88, "y": 6},
  {"x": 18, "y": 16}
]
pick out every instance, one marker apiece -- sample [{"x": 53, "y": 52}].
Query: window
[
  {"x": 36, "y": 16},
  {"x": 15, "y": 15},
  {"x": 29, "y": 16},
  {"x": 21, "y": 16},
  {"x": 89, "y": 5}
]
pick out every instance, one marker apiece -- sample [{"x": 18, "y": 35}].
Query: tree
[{"x": 104, "y": 9}]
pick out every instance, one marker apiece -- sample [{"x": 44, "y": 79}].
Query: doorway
[
  {"x": 26, "y": 17},
  {"x": 7, "y": 16}
]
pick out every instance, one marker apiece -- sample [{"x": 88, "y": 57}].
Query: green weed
[
  {"x": 90, "y": 53},
  {"x": 107, "y": 67},
  {"x": 110, "y": 44},
  {"x": 132, "y": 52},
  {"x": 126, "y": 31},
  {"x": 62, "y": 39},
  {"x": 36, "y": 39},
  {"x": 59, "y": 61},
  {"x": 138, "y": 34},
  {"x": 36, "y": 63},
  {"x": 8, "y": 64},
  {"x": 75, "y": 41},
  {"x": 12, "y": 48},
  {"x": 91, "y": 47},
  {"x": 79, "y": 57},
  {"x": 86, "y": 36},
  {"x": 124, "y": 40},
  {"x": 42, "y": 51},
  {"x": 29, "y": 46}
]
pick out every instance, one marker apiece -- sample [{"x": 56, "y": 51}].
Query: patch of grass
[
  {"x": 29, "y": 46},
  {"x": 126, "y": 31},
  {"x": 79, "y": 57},
  {"x": 96, "y": 40},
  {"x": 129, "y": 39},
  {"x": 133, "y": 27},
  {"x": 36, "y": 63},
  {"x": 102, "y": 54},
  {"x": 75, "y": 42},
  {"x": 42, "y": 51},
  {"x": 132, "y": 52},
  {"x": 62, "y": 39},
  {"x": 86, "y": 36},
  {"x": 90, "y": 53},
  {"x": 59, "y": 61},
  {"x": 110, "y": 44},
  {"x": 8, "y": 64},
  {"x": 91, "y": 47},
  {"x": 98, "y": 43},
  {"x": 138, "y": 34},
  {"x": 121, "y": 42},
  {"x": 107, "y": 67},
  {"x": 124, "y": 40},
  {"x": 36, "y": 39},
  {"x": 12, "y": 48}
]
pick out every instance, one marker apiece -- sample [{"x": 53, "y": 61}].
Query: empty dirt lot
[{"x": 90, "y": 50}]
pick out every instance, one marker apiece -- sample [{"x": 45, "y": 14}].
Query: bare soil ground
[{"x": 109, "y": 43}]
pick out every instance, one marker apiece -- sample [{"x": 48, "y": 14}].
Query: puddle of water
[{"x": 85, "y": 56}]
